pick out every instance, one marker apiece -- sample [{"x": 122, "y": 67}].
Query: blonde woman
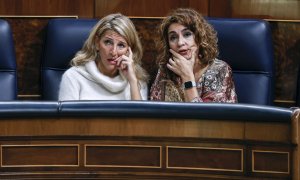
[{"x": 108, "y": 67}]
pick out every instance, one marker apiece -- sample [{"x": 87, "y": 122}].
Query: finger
[
  {"x": 172, "y": 62},
  {"x": 175, "y": 54},
  {"x": 173, "y": 69},
  {"x": 169, "y": 66},
  {"x": 119, "y": 60},
  {"x": 124, "y": 66}
]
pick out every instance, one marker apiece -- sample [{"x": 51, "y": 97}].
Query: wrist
[
  {"x": 189, "y": 77},
  {"x": 188, "y": 85}
]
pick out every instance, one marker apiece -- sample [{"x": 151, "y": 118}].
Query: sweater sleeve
[
  {"x": 69, "y": 88},
  {"x": 144, "y": 90}
]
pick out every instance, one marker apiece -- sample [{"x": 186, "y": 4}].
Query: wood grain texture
[
  {"x": 144, "y": 148},
  {"x": 146, "y": 8},
  {"x": 123, "y": 127},
  {"x": 263, "y": 9},
  {"x": 81, "y": 8}
]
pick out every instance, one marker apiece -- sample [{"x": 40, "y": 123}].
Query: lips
[
  {"x": 112, "y": 61},
  {"x": 183, "y": 52}
]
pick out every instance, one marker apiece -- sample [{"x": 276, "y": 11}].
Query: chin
[{"x": 187, "y": 57}]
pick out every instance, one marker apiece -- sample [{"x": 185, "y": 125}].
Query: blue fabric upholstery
[
  {"x": 8, "y": 73},
  {"x": 64, "y": 37},
  {"x": 246, "y": 45},
  {"x": 154, "y": 109},
  {"x": 144, "y": 109},
  {"x": 23, "y": 109}
]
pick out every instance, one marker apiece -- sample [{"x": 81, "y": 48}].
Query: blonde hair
[
  {"x": 205, "y": 35},
  {"x": 121, "y": 25}
]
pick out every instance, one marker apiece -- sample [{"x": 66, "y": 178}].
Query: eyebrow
[
  {"x": 114, "y": 39},
  {"x": 171, "y": 32}
]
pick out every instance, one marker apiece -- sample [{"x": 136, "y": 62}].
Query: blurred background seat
[{"x": 8, "y": 67}]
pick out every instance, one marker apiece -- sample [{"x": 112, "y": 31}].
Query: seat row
[{"x": 245, "y": 44}]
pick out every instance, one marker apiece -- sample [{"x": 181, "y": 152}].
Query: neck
[
  {"x": 199, "y": 70},
  {"x": 104, "y": 71}
]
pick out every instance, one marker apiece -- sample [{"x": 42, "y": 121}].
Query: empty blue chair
[
  {"x": 8, "y": 67},
  {"x": 246, "y": 45},
  {"x": 64, "y": 37}
]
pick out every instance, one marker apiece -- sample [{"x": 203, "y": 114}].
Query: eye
[
  {"x": 121, "y": 45},
  {"x": 172, "y": 38},
  {"x": 108, "y": 42},
  {"x": 187, "y": 34}
]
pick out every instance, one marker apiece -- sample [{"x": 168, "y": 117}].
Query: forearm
[
  {"x": 191, "y": 95},
  {"x": 135, "y": 90}
]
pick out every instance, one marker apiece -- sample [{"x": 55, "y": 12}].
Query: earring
[{"x": 97, "y": 54}]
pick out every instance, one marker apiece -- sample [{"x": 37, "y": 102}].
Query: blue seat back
[
  {"x": 8, "y": 67},
  {"x": 246, "y": 45},
  {"x": 64, "y": 37}
]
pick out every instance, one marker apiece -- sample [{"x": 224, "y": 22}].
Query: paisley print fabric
[{"x": 215, "y": 85}]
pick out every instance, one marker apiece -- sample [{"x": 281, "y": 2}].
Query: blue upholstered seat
[
  {"x": 64, "y": 37},
  {"x": 245, "y": 44},
  {"x": 8, "y": 73}
]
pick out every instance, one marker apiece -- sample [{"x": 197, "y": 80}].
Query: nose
[
  {"x": 180, "y": 41},
  {"x": 114, "y": 51}
]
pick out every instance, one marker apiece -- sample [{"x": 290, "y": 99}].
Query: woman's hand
[
  {"x": 125, "y": 64},
  {"x": 182, "y": 66},
  {"x": 127, "y": 67}
]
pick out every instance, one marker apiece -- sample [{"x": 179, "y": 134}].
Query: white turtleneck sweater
[{"x": 88, "y": 83}]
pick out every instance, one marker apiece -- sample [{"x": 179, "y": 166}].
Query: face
[
  {"x": 181, "y": 40},
  {"x": 111, "y": 45}
]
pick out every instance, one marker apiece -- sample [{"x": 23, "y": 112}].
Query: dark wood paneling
[
  {"x": 143, "y": 148},
  {"x": 39, "y": 155},
  {"x": 270, "y": 162},
  {"x": 121, "y": 156},
  {"x": 284, "y": 9},
  {"x": 219, "y": 8},
  {"x": 286, "y": 43},
  {"x": 81, "y": 8},
  {"x": 205, "y": 158},
  {"x": 140, "y": 148},
  {"x": 148, "y": 32},
  {"x": 146, "y": 8}
]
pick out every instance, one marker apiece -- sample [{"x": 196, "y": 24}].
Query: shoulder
[
  {"x": 220, "y": 65},
  {"x": 74, "y": 70},
  {"x": 219, "y": 62}
]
